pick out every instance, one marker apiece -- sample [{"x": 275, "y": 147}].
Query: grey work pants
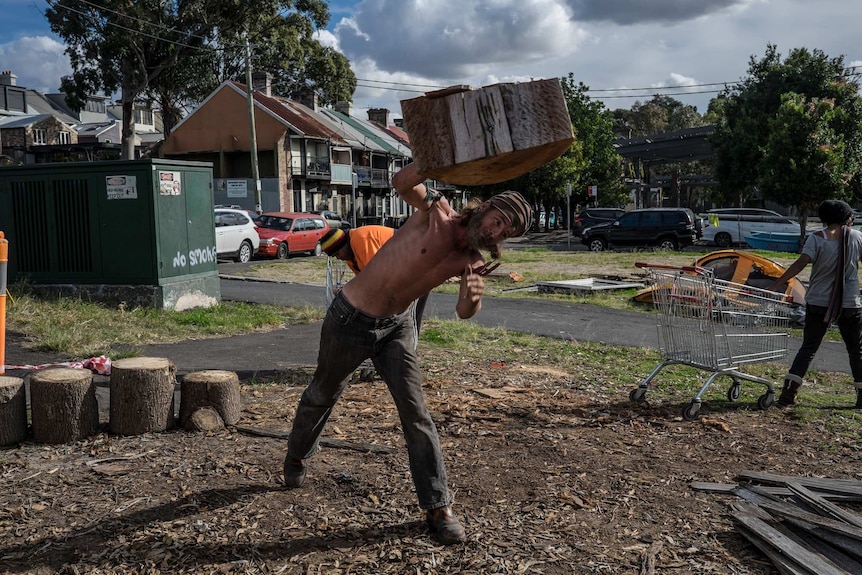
[{"x": 347, "y": 338}]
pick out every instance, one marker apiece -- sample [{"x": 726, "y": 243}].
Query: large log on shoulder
[
  {"x": 13, "y": 410},
  {"x": 202, "y": 392},
  {"x": 487, "y": 135},
  {"x": 142, "y": 395},
  {"x": 63, "y": 405}
]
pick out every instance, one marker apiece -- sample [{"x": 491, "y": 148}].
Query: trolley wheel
[
  {"x": 691, "y": 410},
  {"x": 733, "y": 392},
  {"x": 637, "y": 395},
  {"x": 366, "y": 374},
  {"x": 766, "y": 400}
]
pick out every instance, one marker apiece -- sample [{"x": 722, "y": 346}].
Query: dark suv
[
  {"x": 592, "y": 216},
  {"x": 665, "y": 228}
]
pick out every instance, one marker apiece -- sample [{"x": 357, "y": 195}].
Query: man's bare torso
[{"x": 427, "y": 250}]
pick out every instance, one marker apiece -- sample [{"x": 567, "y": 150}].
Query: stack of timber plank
[{"x": 804, "y": 525}]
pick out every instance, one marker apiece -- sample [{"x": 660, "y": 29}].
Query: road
[{"x": 563, "y": 320}]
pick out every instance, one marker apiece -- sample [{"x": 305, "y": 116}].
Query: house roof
[
  {"x": 93, "y": 129},
  {"x": 38, "y": 103},
  {"x": 352, "y": 135},
  {"x": 22, "y": 121},
  {"x": 389, "y": 144}
]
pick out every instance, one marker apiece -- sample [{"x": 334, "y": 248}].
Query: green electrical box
[{"x": 136, "y": 231}]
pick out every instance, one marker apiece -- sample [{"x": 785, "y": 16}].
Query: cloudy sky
[{"x": 624, "y": 50}]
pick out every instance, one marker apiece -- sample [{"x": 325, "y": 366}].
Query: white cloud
[{"x": 38, "y": 61}]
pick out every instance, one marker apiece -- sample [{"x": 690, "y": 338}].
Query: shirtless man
[{"x": 371, "y": 317}]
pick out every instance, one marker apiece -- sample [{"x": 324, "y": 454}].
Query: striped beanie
[
  {"x": 515, "y": 209},
  {"x": 333, "y": 240}
]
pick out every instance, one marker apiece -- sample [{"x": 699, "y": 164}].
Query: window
[
  {"x": 97, "y": 106},
  {"x": 40, "y": 136},
  {"x": 144, "y": 117},
  {"x": 64, "y": 138}
]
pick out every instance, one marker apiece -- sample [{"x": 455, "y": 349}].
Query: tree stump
[
  {"x": 488, "y": 135},
  {"x": 13, "y": 410},
  {"x": 63, "y": 405},
  {"x": 214, "y": 389},
  {"x": 142, "y": 395}
]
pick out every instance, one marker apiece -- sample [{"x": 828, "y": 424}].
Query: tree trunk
[
  {"x": 128, "y": 127},
  {"x": 13, "y": 410},
  {"x": 216, "y": 389},
  {"x": 63, "y": 405},
  {"x": 142, "y": 395}
]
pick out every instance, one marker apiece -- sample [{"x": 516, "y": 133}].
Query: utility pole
[{"x": 255, "y": 172}]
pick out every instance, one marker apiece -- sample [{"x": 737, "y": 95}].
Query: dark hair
[{"x": 834, "y": 212}]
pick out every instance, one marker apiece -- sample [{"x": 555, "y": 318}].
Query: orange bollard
[{"x": 4, "y": 259}]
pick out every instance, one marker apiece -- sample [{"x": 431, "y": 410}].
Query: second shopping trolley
[{"x": 717, "y": 326}]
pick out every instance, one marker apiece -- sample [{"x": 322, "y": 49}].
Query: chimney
[
  {"x": 379, "y": 116},
  {"x": 344, "y": 107},
  {"x": 262, "y": 82},
  {"x": 7, "y": 78},
  {"x": 307, "y": 97}
]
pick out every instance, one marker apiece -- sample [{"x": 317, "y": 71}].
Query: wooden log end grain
[
  {"x": 214, "y": 388},
  {"x": 13, "y": 410},
  {"x": 204, "y": 419},
  {"x": 63, "y": 405},
  {"x": 487, "y": 135}
]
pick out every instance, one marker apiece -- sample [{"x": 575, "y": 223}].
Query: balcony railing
[{"x": 318, "y": 167}]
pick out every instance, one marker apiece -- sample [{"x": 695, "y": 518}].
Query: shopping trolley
[
  {"x": 336, "y": 272},
  {"x": 718, "y": 326}
]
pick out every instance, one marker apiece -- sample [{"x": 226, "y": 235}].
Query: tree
[
  {"x": 594, "y": 129},
  {"x": 805, "y": 161},
  {"x": 131, "y": 46},
  {"x": 591, "y": 160},
  {"x": 764, "y": 120}
]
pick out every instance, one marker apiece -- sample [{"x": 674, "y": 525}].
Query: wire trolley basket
[{"x": 717, "y": 326}]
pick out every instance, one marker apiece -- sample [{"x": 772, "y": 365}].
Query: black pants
[{"x": 850, "y": 326}]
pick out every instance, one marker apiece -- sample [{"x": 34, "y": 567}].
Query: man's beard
[{"x": 476, "y": 237}]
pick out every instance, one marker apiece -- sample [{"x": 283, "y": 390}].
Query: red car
[{"x": 285, "y": 233}]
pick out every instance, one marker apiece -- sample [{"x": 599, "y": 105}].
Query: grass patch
[{"x": 79, "y": 328}]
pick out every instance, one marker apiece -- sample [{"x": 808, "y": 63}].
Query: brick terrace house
[{"x": 305, "y": 161}]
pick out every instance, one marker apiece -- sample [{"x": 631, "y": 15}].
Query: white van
[{"x": 727, "y": 226}]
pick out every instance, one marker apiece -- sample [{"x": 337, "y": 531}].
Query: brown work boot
[
  {"x": 792, "y": 383},
  {"x": 294, "y": 471},
  {"x": 445, "y": 526}
]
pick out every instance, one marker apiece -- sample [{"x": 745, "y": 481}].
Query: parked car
[
  {"x": 665, "y": 228},
  {"x": 727, "y": 226},
  {"x": 592, "y": 216},
  {"x": 236, "y": 234},
  {"x": 333, "y": 219},
  {"x": 286, "y": 233}
]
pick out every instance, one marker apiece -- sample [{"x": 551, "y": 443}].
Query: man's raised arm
[{"x": 411, "y": 187}]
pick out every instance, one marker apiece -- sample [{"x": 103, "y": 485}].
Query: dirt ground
[{"x": 551, "y": 472}]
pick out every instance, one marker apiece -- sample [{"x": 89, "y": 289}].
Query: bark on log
[
  {"x": 215, "y": 388},
  {"x": 13, "y": 410},
  {"x": 487, "y": 135},
  {"x": 142, "y": 395},
  {"x": 204, "y": 419},
  {"x": 63, "y": 405}
]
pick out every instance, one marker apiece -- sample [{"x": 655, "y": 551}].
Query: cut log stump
[
  {"x": 13, "y": 410},
  {"x": 209, "y": 390},
  {"x": 142, "y": 395},
  {"x": 487, "y": 135},
  {"x": 63, "y": 405}
]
